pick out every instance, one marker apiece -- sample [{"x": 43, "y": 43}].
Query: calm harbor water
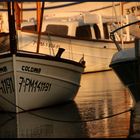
[{"x": 101, "y": 109}]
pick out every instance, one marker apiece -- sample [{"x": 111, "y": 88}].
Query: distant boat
[
  {"x": 31, "y": 80},
  {"x": 126, "y": 64}
]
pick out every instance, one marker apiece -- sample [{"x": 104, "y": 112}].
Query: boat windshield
[{"x": 57, "y": 29}]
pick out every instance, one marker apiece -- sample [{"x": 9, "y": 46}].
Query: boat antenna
[
  {"x": 40, "y": 27},
  {"x": 12, "y": 29},
  {"x": 112, "y": 36}
]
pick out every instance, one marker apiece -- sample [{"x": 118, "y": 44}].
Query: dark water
[{"x": 101, "y": 110}]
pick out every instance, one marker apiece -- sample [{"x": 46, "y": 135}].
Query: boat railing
[{"x": 112, "y": 34}]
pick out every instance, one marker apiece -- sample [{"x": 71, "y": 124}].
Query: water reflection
[
  {"x": 101, "y": 109},
  {"x": 102, "y": 94},
  {"x": 48, "y": 122},
  {"x": 64, "y": 121}
]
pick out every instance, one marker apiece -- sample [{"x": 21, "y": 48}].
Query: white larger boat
[
  {"x": 31, "y": 80},
  {"x": 86, "y": 34}
]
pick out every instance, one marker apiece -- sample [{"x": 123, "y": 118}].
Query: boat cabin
[{"x": 87, "y": 26}]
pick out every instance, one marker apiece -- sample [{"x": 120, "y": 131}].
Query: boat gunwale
[
  {"x": 41, "y": 56},
  {"x": 75, "y": 38},
  {"x": 114, "y": 64}
]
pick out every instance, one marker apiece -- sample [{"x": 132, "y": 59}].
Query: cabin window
[
  {"x": 84, "y": 32},
  {"x": 29, "y": 28},
  {"x": 97, "y": 31},
  {"x": 106, "y": 33},
  {"x": 57, "y": 30}
]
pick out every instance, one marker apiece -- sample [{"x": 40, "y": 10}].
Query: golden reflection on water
[
  {"x": 113, "y": 127},
  {"x": 104, "y": 99}
]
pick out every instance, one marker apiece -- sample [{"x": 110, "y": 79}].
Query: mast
[
  {"x": 38, "y": 15},
  {"x": 18, "y": 15},
  {"x": 12, "y": 29},
  {"x": 122, "y": 9},
  {"x": 40, "y": 12}
]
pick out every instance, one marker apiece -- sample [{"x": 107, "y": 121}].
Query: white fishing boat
[
  {"x": 31, "y": 80},
  {"x": 126, "y": 65}
]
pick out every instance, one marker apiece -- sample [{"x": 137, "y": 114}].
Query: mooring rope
[{"x": 65, "y": 121}]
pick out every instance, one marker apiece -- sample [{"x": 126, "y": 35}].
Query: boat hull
[
  {"x": 129, "y": 73},
  {"x": 97, "y": 53},
  {"x": 29, "y": 83}
]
